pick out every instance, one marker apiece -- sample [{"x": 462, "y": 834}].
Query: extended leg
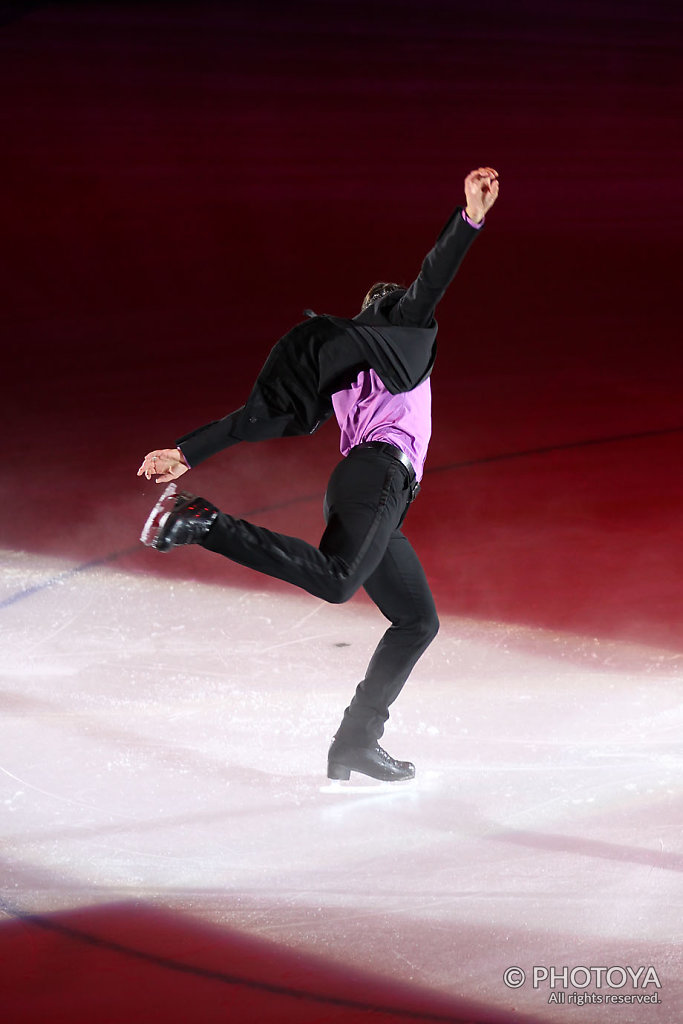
[{"x": 366, "y": 498}]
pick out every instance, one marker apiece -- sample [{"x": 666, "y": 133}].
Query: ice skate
[
  {"x": 343, "y": 759},
  {"x": 177, "y": 519}
]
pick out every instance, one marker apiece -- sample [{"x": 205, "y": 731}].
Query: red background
[{"x": 180, "y": 181}]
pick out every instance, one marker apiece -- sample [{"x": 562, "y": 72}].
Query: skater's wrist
[
  {"x": 470, "y": 217},
  {"x": 182, "y": 458}
]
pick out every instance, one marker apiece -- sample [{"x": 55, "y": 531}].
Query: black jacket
[{"x": 395, "y": 336}]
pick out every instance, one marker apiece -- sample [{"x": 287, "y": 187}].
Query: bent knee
[
  {"x": 341, "y": 590},
  {"x": 426, "y": 627},
  {"x": 430, "y": 625}
]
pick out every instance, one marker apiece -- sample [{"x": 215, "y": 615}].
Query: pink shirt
[{"x": 366, "y": 411}]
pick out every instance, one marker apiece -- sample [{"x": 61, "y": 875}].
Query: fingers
[
  {"x": 481, "y": 188},
  {"x": 482, "y": 176},
  {"x": 165, "y": 465},
  {"x": 175, "y": 470},
  {"x": 166, "y": 473},
  {"x": 148, "y": 464}
]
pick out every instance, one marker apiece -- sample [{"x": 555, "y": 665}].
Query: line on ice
[
  {"x": 274, "y": 506},
  {"x": 169, "y": 963},
  {"x": 66, "y": 575},
  {"x": 57, "y": 796}
]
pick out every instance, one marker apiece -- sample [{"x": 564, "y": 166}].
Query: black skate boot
[
  {"x": 373, "y": 761},
  {"x": 177, "y": 519}
]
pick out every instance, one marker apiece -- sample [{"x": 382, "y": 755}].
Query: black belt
[{"x": 400, "y": 456}]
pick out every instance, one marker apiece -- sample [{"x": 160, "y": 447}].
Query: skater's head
[{"x": 378, "y": 291}]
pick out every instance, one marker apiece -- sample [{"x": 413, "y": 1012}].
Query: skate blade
[
  {"x": 371, "y": 787},
  {"x": 157, "y": 517}
]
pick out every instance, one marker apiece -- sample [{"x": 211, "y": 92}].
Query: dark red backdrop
[{"x": 181, "y": 180}]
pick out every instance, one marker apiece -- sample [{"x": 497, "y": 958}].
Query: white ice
[{"x": 167, "y": 741}]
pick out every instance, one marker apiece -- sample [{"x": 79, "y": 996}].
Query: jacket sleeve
[
  {"x": 416, "y": 307},
  {"x": 255, "y": 421},
  {"x": 289, "y": 397},
  {"x": 213, "y": 437}
]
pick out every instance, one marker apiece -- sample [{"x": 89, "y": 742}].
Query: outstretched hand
[
  {"x": 481, "y": 192},
  {"x": 165, "y": 464}
]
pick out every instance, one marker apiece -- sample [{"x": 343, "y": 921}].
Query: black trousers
[{"x": 366, "y": 500}]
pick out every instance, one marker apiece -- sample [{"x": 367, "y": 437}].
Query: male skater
[{"x": 373, "y": 372}]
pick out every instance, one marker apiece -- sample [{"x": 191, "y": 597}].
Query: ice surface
[{"x": 166, "y": 741}]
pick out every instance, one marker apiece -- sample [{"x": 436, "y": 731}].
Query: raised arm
[{"x": 440, "y": 265}]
